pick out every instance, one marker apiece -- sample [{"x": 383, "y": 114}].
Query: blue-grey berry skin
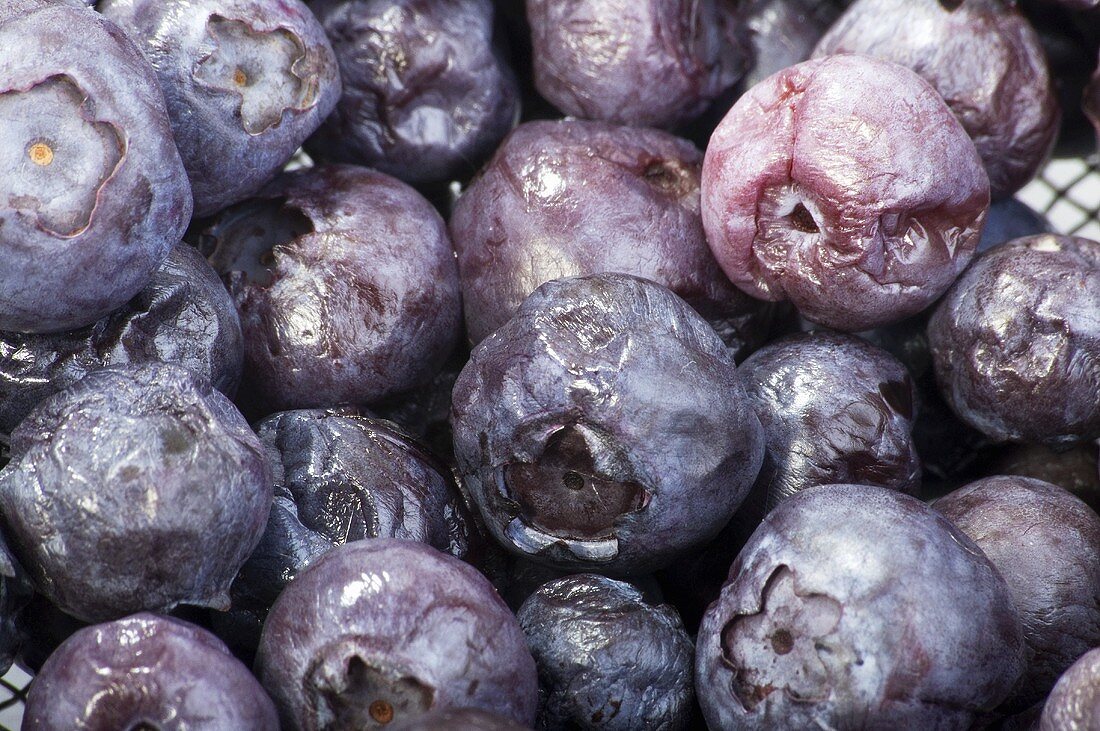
[
  {"x": 12, "y": 8},
  {"x": 384, "y": 630},
  {"x": 93, "y": 193},
  {"x": 857, "y": 607},
  {"x": 459, "y": 719},
  {"x": 1046, "y": 544},
  {"x": 426, "y": 95},
  {"x": 782, "y": 33},
  {"x": 835, "y": 410},
  {"x": 245, "y": 81},
  {"x": 604, "y": 427},
  {"x": 183, "y": 316},
  {"x": 1074, "y": 704},
  {"x": 1010, "y": 219},
  {"x": 147, "y": 672},
  {"x": 115, "y": 481},
  {"x": 607, "y": 659}
]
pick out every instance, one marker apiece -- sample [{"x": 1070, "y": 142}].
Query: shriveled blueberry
[
  {"x": 1073, "y": 469},
  {"x": 427, "y": 96},
  {"x": 245, "y": 81},
  {"x": 1046, "y": 544},
  {"x": 346, "y": 285},
  {"x": 984, "y": 59},
  {"x": 571, "y": 197},
  {"x": 607, "y": 659},
  {"x": 12, "y": 8},
  {"x": 459, "y": 719},
  {"x": 1016, "y": 342},
  {"x": 845, "y": 185},
  {"x": 379, "y": 631},
  {"x": 604, "y": 426},
  {"x": 652, "y": 63},
  {"x": 114, "y": 483},
  {"x": 855, "y": 606},
  {"x": 1010, "y": 219},
  {"x": 835, "y": 410},
  {"x": 183, "y": 316},
  {"x": 783, "y": 32},
  {"x": 1075, "y": 701},
  {"x": 92, "y": 190},
  {"x": 146, "y": 672}
]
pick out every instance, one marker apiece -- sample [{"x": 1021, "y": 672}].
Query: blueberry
[
  {"x": 146, "y": 672},
  {"x": 1075, "y": 701},
  {"x": 604, "y": 427},
  {"x": 783, "y": 33},
  {"x": 92, "y": 190},
  {"x": 607, "y": 659},
  {"x": 183, "y": 316},
  {"x": 570, "y": 197},
  {"x": 1072, "y": 469},
  {"x": 427, "y": 96},
  {"x": 245, "y": 81},
  {"x": 857, "y": 607},
  {"x": 846, "y": 186},
  {"x": 15, "y": 594},
  {"x": 378, "y": 631},
  {"x": 459, "y": 719},
  {"x": 116, "y": 480},
  {"x": 1045, "y": 543},
  {"x": 1010, "y": 219},
  {"x": 1016, "y": 342}
]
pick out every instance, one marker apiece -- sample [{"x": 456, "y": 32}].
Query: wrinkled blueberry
[
  {"x": 92, "y": 190},
  {"x": 427, "y": 97},
  {"x": 857, "y": 607},
  {"x": 604, "y": 426},
  {"x": 12, "y": 8},
  {"x": 571, "y": 197},
  {"x": 1010, "y": 219},
  {"x": 846, "y": 186},
  {"x": 346, "y": 285},
  {"x": 1075, "y": 701},
  {"x": 984, "y": 59},
  {"x": 835, "y": 410},
  {"x": 459, "y": 719},
  {"x": 146, "y": 672},
  {"x": 378, "y": 631},
  {"x": 1016, "y": 342},
  {"x": 607, "y": 659},
  {"x": 183, "y": 316},
  {"x": 245, "y": 81},
  {"x": 783, "y": 32},
  {"x": 117, "y": 480},
  {"x": 1072, "y": 469},
  {"x": 653, "y": 63}
]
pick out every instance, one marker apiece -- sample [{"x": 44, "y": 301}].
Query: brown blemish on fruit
[
  {"x": 381, "y": 711},
  {"x": 40, "y": 154}
]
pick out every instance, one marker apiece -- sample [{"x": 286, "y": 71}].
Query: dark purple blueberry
[
  {"x": 459, "y": 719},
  {"x": 845, "y": 185},
  {"x": 346, "y": 285},
  {"x": 146, "y": 672},
  {"x": 92, "y": 190},
  {"x": 427, "y": 97},
  {"x": 1073, "y": 469},
  {"x": 835, "y": 410},
  {"x": 782, "y": 32},
  {"x": 183, "y": 316},
  {"x": 15, "y": 594},
  {"x": 1016, "y": 342},
  {"x": 607, "y": 659},
  {"x": 1046, "y": 544},
  {"x": 857, "y": 607},
  {"x": 984, "y": 59},
  {"x": 245, "y": 81},
  {"x": 117, "y": 480},
  {"x": 571, "y": 197},
  {"x": 1010, "y": 219},
  {"x": 651, "y": 63},
  {"x": 379, "y": 631},
  {"x": 1074, "y": 704},
  {"x": 604, "y": 427}
]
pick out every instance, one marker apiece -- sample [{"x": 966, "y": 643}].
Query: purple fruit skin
[
  {"x": 460, "y": 719},
  {"x": 783, "y": 32},
  {"x": 835, "y": 409},
  {"x": 896, "y": 192},
  {"x": 1074, "y": 469},
  {"x": 571, "y": 197},
  {"x": 183, "y": 316},
  {"x": 1074, "y": 704},
  {"x": 426, "y": 97},
  {"x": 607, "y": 659},
  {"x": 365, "y": 306},
  {"x": 12, "y": 8},
  {"x": 114, "y": 482},
  {"x": 1016, "y": 342},
  {"x": 626, "y": 359},
  {"x": 886, "y": 616},
  {"x": 984, "y": 59},
  {"x": 231, "y": 153},
  {"x": 646, "y": 63},
  {"x": 404, "y": 607},
  {"x": 1046, "y": 544},
  {"x": 51, "y": 280},
  {"x": 150, "y": 672}
]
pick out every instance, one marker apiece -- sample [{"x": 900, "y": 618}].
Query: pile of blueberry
[{"x": 559, "y": 364}]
